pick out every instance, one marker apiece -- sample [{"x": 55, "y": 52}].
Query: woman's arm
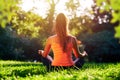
[
  {"x": 76, "y": 51},
  {"x": 46, "y": 50}
]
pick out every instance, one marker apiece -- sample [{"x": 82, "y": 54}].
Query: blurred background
[{"x": 26, "y": 24}]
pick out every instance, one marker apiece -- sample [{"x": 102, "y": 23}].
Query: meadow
[{"x": 18, "y": 70}]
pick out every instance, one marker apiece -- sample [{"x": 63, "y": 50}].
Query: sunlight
[
  {"x": 85, "y": 8},
  {"x": 86, "y": 4},
  {"x": 41, "y": 7},
  {"x": 60, "y": 7}
]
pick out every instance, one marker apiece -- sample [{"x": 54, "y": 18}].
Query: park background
[
  {"x": 23, "y": 30},
  {"x": 26, "y": 24}
]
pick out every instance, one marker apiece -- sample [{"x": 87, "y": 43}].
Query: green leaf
[
  {"x": 115, "y": 17},
  {"x": 99, "y": 2},
  {"x": 117, "y": 29},
  {"x": 3, "y": 23},
  {"x": 115, "y": 4}
]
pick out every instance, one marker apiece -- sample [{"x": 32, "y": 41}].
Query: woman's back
[{"x": 62, "y": 58}]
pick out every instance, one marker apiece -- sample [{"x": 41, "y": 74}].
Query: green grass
[{"x": 16, "y": 70}]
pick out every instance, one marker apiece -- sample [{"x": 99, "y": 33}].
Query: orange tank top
[{"x": 61, "y": 58}]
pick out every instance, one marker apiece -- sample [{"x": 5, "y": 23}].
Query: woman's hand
[
  {"x": 40, "y": 52},
  {"x": 84, "y": 54}
]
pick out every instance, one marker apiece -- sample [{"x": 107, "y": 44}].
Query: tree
[
  {"x": 72, "y": 6},
  {"x": 51, "y": 12},
  {"x": 15, "y": 27},
  {"x": 7, "y": 11},
  {"x": 114, "y": 5},
  {"x": 27, "y": 24}
]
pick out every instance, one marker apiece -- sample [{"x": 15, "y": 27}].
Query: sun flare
[{"x": 41, "y": 7}]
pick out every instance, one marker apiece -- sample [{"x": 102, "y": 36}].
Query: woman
[{"x": 62, "y": 44}]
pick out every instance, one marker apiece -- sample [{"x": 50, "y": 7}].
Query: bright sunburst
[{"x": 41, "y": 6}]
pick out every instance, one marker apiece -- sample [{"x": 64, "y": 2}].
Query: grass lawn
[{"x": 16, "y": 70}]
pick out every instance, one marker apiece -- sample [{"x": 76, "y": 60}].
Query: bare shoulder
[
  {"x": 75, "y": 40},
  {"x": 51, "y": 37},
  {"x": 72, "y": 37}
]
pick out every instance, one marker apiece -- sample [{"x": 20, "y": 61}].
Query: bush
[{"x": 102, "y": 47}]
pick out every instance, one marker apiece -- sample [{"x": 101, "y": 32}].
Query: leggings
[{"x": 47, "y": 63}]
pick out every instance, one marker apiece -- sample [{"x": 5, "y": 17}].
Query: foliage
[
  {"x": 98, "y": 36},
  {"x": 72, "y": 6},
  {"x": 114, "y": 5},
  {"x": 7, "y": 10},
  {"x": 23, "y": 33},
  {"x": 30, "y": 48},
  {"x": 8, "y": 44},
  {"x": 18, "y": 32},
  {"x": 117, "y": 29},
  {"x": 36, "y": 71},
  {"x": 101, "y": 46},
  {"x": 27, "y": 24},
  {"x": 51, "y": 12},
  {"x": 14, "y": 47}
]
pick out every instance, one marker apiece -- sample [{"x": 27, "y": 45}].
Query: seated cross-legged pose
[{"x": 63, "y": 45}]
